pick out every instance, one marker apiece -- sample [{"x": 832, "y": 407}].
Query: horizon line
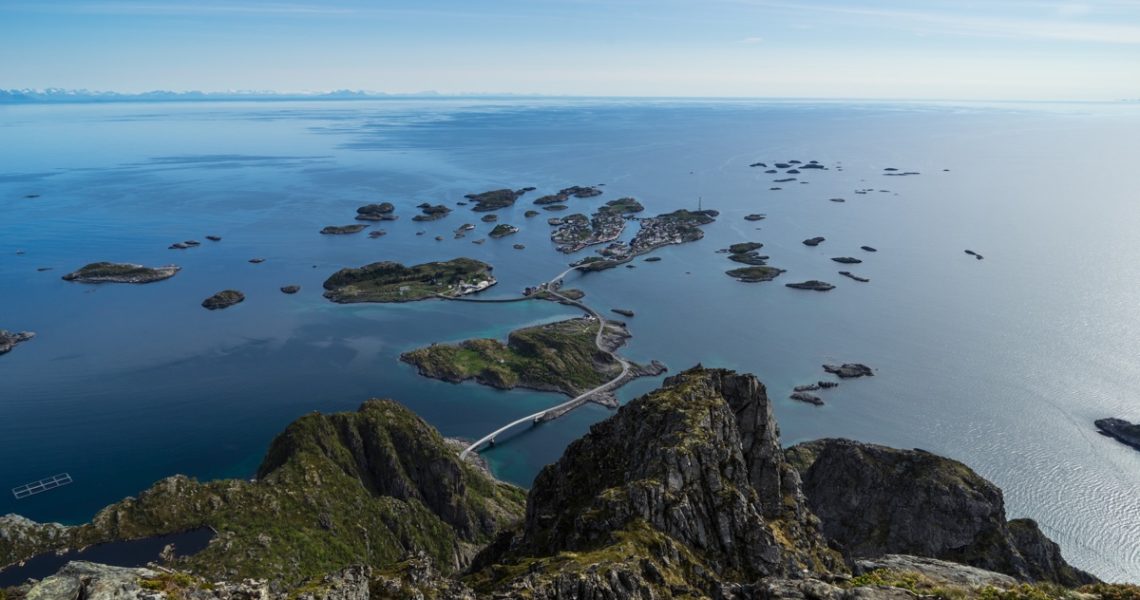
[{"x": 77, "y": 96}]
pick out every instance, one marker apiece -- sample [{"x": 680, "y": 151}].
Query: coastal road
[{"x": 577, "y": 400}]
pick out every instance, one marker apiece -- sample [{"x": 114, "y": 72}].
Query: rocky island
[
  {"x": 376, "y": 212},
  {"x": 684, "y": 493},
  {"x": 747, "y": 253},
  {"x": 851, "y": 275},
  {"x": 811, "y": 284},
  {"x": 223, "y": 299},
  {"x": 107, "y": 272},
  {"x": 754, "y": 274},
  {"x": 342, "y": 229},
  {"x": 576, "y": 232},
  {"x": 495, "y": 199},
  {"x": 565, "y": 194},
  {"x": 9, "y": 339},
  {"x": 393, "y": 282},
  {"x": 807, "y": 398},
  {"x": 429, "y": 212},
  {"x": 557, "y": 357},
  {"x": 1121, "y": 430},
  {"x": 502, "y": 230},
  {"x": 849, "y": 370}
]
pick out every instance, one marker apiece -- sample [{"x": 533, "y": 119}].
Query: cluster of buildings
[{"x": 576, "y": 231}]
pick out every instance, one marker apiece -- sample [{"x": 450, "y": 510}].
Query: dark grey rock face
[
  {"x": 873, "y": 500},
  {"x": 696, "y": 464}
]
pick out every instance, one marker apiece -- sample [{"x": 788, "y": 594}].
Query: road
[{"x": 577, "y": 400}]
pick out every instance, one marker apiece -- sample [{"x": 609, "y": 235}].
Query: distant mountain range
[{"x": 59, "y": 95}]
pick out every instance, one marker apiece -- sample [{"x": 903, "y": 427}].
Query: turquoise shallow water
[{"x": 1002, "y": 363}]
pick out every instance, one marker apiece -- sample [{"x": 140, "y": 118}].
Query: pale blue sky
[{"x": 998, "y": 49}]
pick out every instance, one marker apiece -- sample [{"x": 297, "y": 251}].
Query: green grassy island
[
  {"x": 393, "y": 282},
  {"x": 560, "y": 357}
]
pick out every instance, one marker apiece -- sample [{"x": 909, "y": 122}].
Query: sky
[{"x": 912, "y": 49}]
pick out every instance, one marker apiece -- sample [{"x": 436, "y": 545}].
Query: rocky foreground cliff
[{"x": 684, "y": 493}]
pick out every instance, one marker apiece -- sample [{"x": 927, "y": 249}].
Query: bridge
[{"x": 580, "y": 399}]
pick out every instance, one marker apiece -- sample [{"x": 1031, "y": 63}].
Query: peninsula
[{"x": 393, "y": 282}]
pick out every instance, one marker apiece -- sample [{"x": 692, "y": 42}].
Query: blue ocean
[{"x": 1002, "y": 363}]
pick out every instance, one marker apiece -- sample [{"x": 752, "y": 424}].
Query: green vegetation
[
  {"x": 568, "y": 293},
  {"x": 557, "y": 356},
  {"x": 175, "y": 584},
  {"x": 633, "y": 549},
  {"x": 622, "y": 206},
  {"x": 332, "y": 491},
  {"x": 693, "y": 217},
  {"x": 1113, "y": 591},
  {"x": 393, "y": 282},
  {"x": 550, "y": 199},
  {"x": 923, "y": 586}
]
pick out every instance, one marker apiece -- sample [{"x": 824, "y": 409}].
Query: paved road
[{"x": 577, "y": 400}]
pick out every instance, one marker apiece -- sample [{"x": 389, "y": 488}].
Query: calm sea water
[{"x": 1002, "y": 363}]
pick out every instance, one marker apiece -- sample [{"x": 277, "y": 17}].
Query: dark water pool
[{"x": 130, "y": 553}]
